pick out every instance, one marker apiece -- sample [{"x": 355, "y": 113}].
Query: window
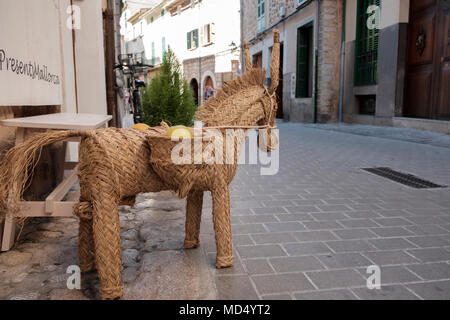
[
  {"x": 153, "y": 53},
  {"x": 261, "y": 15},
  {"x": 151, "y": 20},
  {"x": 301, "y": 2},
  {"x": 192, "y": 39},
  {"x": 163, "y": 45},
  {"x": 207, "y": 34},
  {"x": 305, "y": 45},
  {"x": 366, "y": 50},
  {"x": 162, "y": 13},
  {"x": 257, "y": 60}
]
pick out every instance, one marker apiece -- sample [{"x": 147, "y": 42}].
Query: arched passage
[{"x": 208, "y": 88}]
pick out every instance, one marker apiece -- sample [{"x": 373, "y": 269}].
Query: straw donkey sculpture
[{"x": 117, "y": 164}]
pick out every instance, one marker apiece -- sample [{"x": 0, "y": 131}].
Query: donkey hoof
[
  {"x": 224, "y": 262},
  {"x": 189, "y": 244}
]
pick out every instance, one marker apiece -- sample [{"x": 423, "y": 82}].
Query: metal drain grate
[{"x": 403, "y": 178}]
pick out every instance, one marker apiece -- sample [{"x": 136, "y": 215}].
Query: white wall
[
  {"x": 90, "y": 59},
  {"x": 224, "y": 14}
]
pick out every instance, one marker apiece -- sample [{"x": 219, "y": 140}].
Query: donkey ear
[
  {"x": 248, "y": 63},
  {"x": 275, "y": 61}
]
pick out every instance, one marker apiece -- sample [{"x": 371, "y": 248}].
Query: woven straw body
[{"x": 117, "y": 164}]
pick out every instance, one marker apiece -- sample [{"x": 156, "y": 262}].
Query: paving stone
[
  {"x": 392, "y": 275},
  {"x": 235, "y": 288},
  {"x": 269, "y": 210},
  {"x": 276, "y": 297},
  {"x": 390, "y": 257},
  {"x": 302, "y": 209},
  {"x": 322, "y": 225},
  {"x": 389, "y": 232},
  {"x": 259, "y": 251},
  {"x": 248, "y": 229},
  {"x": 427, "y": 230},
  {"x": 339, "y": 294},
  {"x": 396, "y": 292},
  {"x": 258, "y": 218},
  {"x": 431, "y": 271},
  {"x": 437, "y": 290},
  {"x": 333, "y": 207},
  {"x": 295, "y": 264},
  {"x": 344, "y": 260},
  {"x": 348, "y": 234},
  {"x": 350, "y": 245},
  {"x": 361, "y": 214},
  {"x": 324, "y": 216},
  {"x": 306, "y": 248},
  {"x": 284, "y": 226},
  {"x": 308, "y": 236},
  {"x": 431, "y": 254},
  {"x": 430, "y": 241},
  {"x": 391, "y": 244},
  {"x": 258, "y": 266},
  {"x": 242, "y": 239},
  {"x": 295, "y": 217},
  {"x": 282, "y": 283},
  {"x": 273, "y": 238},
  {"x": 393, "y": 222},
  {"x": 359, "y": 223},
  {"x": 336, "y": 279}
]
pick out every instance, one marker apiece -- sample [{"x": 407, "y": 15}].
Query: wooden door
[
  {"x": 428, "y": 60},
  {"x": 443, "y": 83}
]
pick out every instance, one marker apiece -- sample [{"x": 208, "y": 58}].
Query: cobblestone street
[{"x": 309, "y": 232}]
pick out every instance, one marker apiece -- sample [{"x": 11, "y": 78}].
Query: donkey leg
[
  {"x": 222, "y": 226},
  {"x": 108, "y": 246},
  {"x": 86, "y": 253},
  {"x": 193, "y": 219}
]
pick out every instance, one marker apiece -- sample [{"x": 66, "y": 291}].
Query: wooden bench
[{"x": 53, "y": 206}]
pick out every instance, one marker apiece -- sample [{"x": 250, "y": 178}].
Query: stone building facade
[
  {"x": 311, "y": 53},
  {"x": 203, "y": 34},
  {"x": 405, "y": 83}
]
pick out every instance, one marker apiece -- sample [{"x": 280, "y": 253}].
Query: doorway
[
  {"x": 209, "y": 88},
  {"x": 428, "y": 60},
  {"x": 194, "y": 86},
  {"x": 280, "y": 86}
]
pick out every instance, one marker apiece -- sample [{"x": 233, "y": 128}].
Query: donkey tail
[{"x": 16, "y": 168}]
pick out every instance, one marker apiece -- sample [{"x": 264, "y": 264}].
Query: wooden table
[{"x": 53, "y": 206}]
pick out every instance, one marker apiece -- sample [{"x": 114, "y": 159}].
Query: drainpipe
[
  {"x": 341, "y": 80},
  {"x": 316, "y": 67}
]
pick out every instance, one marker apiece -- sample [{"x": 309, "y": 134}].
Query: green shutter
[
  {"x": 366, "y": 49},
  {"x": 196, "y": 37},
  {"x": 189, "y": 40},
  {"x": 302, "y": 63}
]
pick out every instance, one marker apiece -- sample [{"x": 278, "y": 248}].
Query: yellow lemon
[
  {"x": 179, "y": 132},
  {"x": 140, "y": 126}
]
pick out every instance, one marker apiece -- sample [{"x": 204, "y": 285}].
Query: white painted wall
[
  {"x": 90, "y": 59},
  {"x": 224, "y": 14}
]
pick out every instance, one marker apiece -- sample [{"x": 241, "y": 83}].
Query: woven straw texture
[{"x": 117, "y": 164}]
